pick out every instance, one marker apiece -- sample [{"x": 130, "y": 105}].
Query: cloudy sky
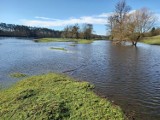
[{"x": 56, "y": 14}]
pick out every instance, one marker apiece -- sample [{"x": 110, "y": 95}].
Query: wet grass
[
  {"x": 17, "y": 75},
  {"x": 52, "y": 40},
  {"x": 55, "y": 97},
  {"x": 1, "y": 87},
  {"x": 84, "y": 41},
  {"x": 55, "y": 48},
  {"x": 78, "y": 41},
  {"x": 72, "y": 45},
  {"x": 155, "y": 40}
]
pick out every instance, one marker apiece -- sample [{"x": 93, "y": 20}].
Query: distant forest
[{"x": 12, "y": 30}]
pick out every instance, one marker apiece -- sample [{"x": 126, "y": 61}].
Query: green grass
[
  {"x": 1, "y": 87},
  {"x": 155, "y": 40},
  {"x": 17, "y": 75},
  {"x": 52, "y": 40},
  {"x": 78, "y": 41},
  {"x": 55, "y": 48},
  {"x": 72, "y": 45},
  {"x": 55, "y": 97},
  {"x": 84, "y": 41}
]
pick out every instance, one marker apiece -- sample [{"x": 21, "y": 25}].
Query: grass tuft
[
  {"x": 18, "y": 75},
  {"x": 55, "y": 97}
]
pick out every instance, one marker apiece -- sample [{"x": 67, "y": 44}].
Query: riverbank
[
  {"x": 155, "y": 40},
  {"x": 55, "y": 96},
  {"x": 78, "y": 41}
]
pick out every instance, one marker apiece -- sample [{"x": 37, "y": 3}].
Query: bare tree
[
  {"x": 87, "y": 31},
  {"x": 65, "y": 32},
  {"x": 121, "y": 11},
  {"x": 110, "y": 25},
  {"x": 139, "y": 22},
  {"x": 116, "y": 21},
  {"x": 124, "y": 25},
  {"x": 75, "y": 31}
]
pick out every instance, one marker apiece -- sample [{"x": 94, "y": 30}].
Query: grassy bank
[
  {"x": 78, "y": 41},
  {"x": 55, "y": 97},
  {"x": 155, "y": 40}
]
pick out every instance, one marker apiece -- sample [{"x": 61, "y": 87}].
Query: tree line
[
  {"x": 127, "y": 25},
  {"x": 72, "y": 31},
  {"x": 153, "y": 32},
  {"x": 12, "y": 30}
]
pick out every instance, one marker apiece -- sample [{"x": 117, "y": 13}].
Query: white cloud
[
  {"x": 158, "y": 17},
  {"x": 39, "y": 21},
  {"x": 105, "y": 14},
  {"x": 100, "y": 19},
  {"x": 132, "y": 11},
  {"x": 44, "y": 18}
]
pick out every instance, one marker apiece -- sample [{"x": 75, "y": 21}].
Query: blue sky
[{"x": 56, "y": 14}]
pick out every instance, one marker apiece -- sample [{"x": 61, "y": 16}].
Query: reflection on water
[{"x": 127, "y": 75}]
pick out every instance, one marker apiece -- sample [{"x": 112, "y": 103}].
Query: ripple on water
[{"x": 128, "y": 76}]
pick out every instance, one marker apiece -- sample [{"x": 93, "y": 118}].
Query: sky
[{"x": 56, "y": 14}]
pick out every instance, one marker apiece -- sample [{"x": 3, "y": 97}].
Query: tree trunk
[{"x": 134, "y": 43}]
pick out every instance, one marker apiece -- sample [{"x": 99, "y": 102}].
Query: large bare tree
[
  {"x": 138, "y": 23},
  {"x": 116, "y": 22},
  {"x": 125, "y": 25}
]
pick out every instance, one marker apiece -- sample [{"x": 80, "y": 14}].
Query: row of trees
[
  {"x": 153, "y": 32},
  {"x": 12, "y": 30},
  {"x": 125, "y": 25},
  {"x": 74, "y": 31}
]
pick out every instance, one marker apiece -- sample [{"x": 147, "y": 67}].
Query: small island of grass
[
  {"x": 72, "y": 45},
  {"x": 55, "y": 97},
  {"x": 78, "y": 41},
  {"x": 55, "y": 48},
  {"x": 83, "y": 41}
]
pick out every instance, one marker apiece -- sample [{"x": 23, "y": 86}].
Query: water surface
[{"x": 128, "y": 76}]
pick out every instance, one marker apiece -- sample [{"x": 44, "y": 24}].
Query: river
[{"x": 128, "y": 76}]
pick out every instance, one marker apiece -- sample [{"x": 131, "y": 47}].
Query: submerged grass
[
  {"x": 72, "y": 45},
  {"x": 155, "y": 40},
  {"x": 55, "y": 48},
  {"x": 55, "y": 97},
  {"x": 78, "y": 41},
  {"x": 17, "y": 75}
]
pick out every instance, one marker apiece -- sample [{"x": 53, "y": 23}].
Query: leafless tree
[
  {"x": 116, "y": 21},
  {"x": 87, "y": 31},
  {"x": 74, "y": 31},
  {"x": 110, "y": 25},
  {"x": 139, "y": 22},
  {"x": 125, "y": 25}
]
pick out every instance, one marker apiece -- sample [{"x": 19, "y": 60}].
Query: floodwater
[{"x": 128, "y": 76}]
